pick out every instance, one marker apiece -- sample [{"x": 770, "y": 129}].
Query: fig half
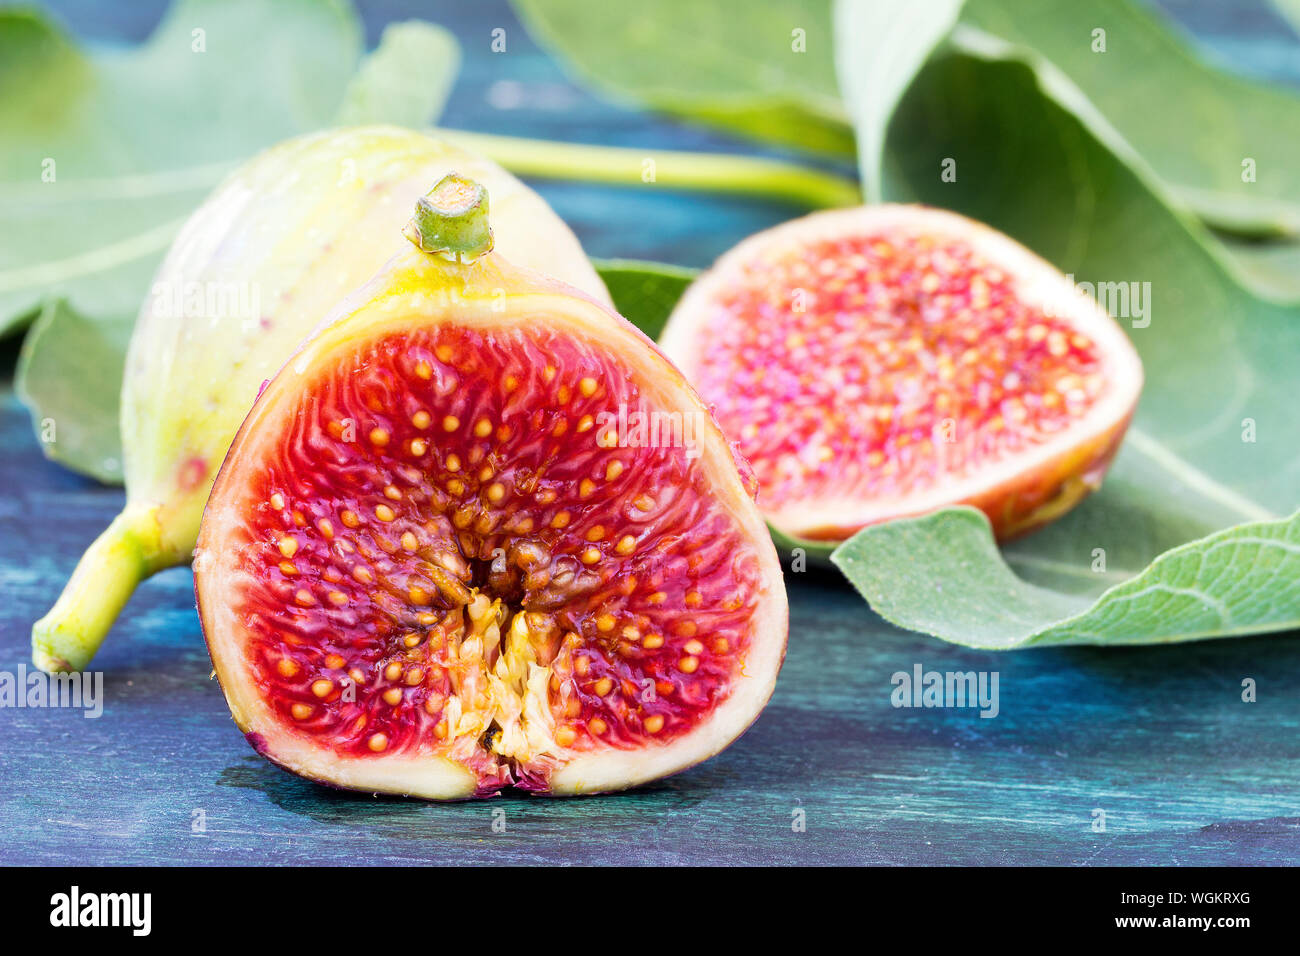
[
  {"x": 480, "y": 533},
  {"x": 886, "y": 361},
  {"x": 249, "y": 276}
]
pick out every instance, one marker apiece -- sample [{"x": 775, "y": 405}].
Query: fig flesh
[
  {"x": 249, "y": 276},
  {"x": 886, "y": 361},
  {"x": 434, "y": 563}
]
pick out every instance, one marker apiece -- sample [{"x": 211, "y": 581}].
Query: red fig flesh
[
  {"x": 434, "y": 564},
  {"x": 885, "y": 361}
]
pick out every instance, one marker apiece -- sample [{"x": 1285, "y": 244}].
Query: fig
[
  {"x": 885, "y": 361},
  {"x": 249, "y": 276},
  {"x": 446, "y": 555}
]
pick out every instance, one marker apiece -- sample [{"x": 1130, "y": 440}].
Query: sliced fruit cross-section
[
  {"x": 437, "y": 560},
  {"x": 888, "y": 360}
]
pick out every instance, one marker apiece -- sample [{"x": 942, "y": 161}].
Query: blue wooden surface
[{"x": 1159, "y": 739}]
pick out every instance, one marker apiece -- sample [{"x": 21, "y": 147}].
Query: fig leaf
[
  {"x": 767, "y": 74},
  {"x": 1204, "y": 133},
  {"x": 644, "y": 293},
  {"x": 406, "y": 80},
  {"x": 1193, "y": 123},
  {"x": 898, "y": 37},
  {"x": 1219, "y": 143},
  {"x": 107, "y": 151},
  {"x": 1270, "y": 267},
  {"x": 941, "y": 574},
  {"x": 70, "y": 377},
  {"x": 98, "y": 177}
]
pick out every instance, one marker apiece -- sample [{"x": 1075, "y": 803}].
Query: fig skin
[
  {"x": 271, "y": 250},
  {"x": 417, "y": 291},
  {"x": 1019, "y": 492}
]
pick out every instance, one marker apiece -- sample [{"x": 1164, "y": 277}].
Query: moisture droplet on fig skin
[
  {"x": 436, "y": 571},
  {"x": 885, "y": 361}
]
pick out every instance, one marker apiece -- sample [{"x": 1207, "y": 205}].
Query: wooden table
[{"x": 1159, "y": 739}]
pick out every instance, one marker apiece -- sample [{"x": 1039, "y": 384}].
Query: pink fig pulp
[{"x": 885, "y": 361}]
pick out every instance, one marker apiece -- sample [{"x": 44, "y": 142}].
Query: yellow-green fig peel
[{"x": 251, "y": 273}]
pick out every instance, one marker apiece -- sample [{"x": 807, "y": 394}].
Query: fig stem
[
  {"x": 451, "y": 220},
  {"x": 620, "y": 165},
  {"x": 126, "y": 553}
]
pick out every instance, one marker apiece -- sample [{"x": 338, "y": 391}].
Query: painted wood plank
[{"x": 1158, "y": 738}]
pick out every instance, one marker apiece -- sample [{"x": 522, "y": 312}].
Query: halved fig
[
  {"x": 441, "y": 559},
  {"x": 885, "y": 361}
]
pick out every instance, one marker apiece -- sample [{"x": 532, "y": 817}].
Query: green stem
[
  {"x": 126, "y": 553},
  {"x": 620, "y": 165},
  {"x": 451, "y": 220}
]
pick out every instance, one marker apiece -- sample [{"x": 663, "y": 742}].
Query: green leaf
[
  {"x": 1193, "y": 134},
  {"x": 644, "y": 293},
  {"x": 87, "y": 245},
  {"x": 1195, "y": 125},
  {"x": 789, "y": 546},
  {"x": 70, "y": 378},
  {"x": 1192, "y": 123},
  {"x": 1215, "y": 441},
  {"x": 1272, "y": 269},
  {"x": 765, "y": 71},
  {"x": 406, "y": 80},
  {"x": 942, "y": 574},
  {"x": 1289, "y": 10},
  {"x": 880, "y": 48},
  {"x": 103, "y": 163}
]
